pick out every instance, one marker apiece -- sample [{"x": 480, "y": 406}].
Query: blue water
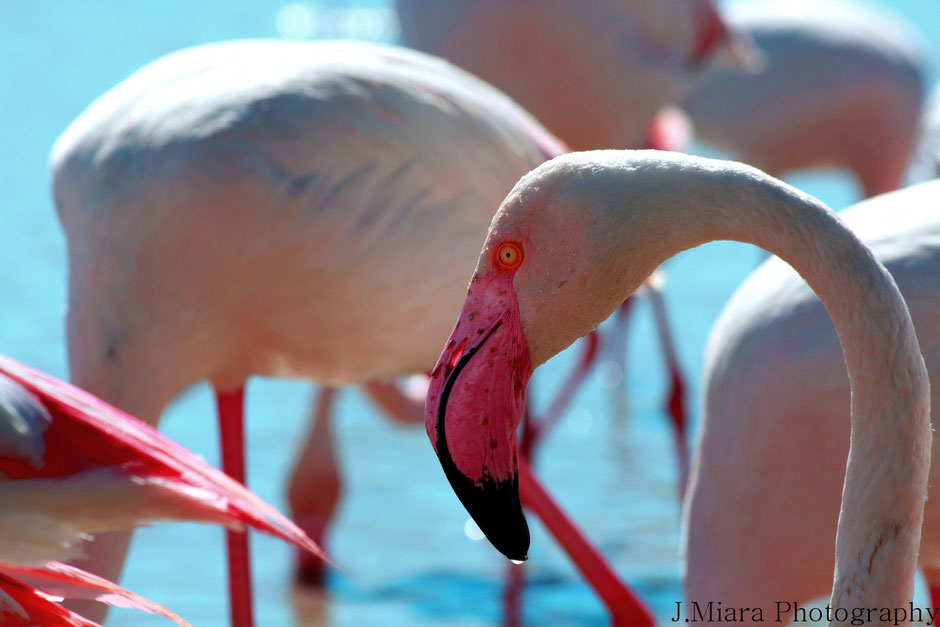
[{"x": 400, "y": 531}]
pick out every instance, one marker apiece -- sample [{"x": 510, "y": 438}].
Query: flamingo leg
[
  {"x": 675, "y": 402},
  {"x": 232, "y": 436},
  {"x": 933, "y": 585},
  {"x": 625, "y": 608},
  {"x": 314, "y": 487}
]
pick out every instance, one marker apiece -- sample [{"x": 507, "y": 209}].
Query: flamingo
[
  {"x": 791, "y": 411},
  {"x": 842, "y": 86},
  {"x": 72, "y": 466},
  {"x": 577, "y": 235},
  {"x": 275, "y": 208},
  {"x": 595, "y": 74}
]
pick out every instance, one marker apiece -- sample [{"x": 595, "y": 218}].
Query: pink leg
[
  {"x": 314, "y": 488},
  {"x": 625, "y": 608},
  {"x": 231, "y": 432},
  {"x": 675, "y": 404}
]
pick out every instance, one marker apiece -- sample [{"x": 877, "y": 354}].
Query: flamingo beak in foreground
[{"x": 475, "y": 403}]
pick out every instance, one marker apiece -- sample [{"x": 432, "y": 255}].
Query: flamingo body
[
  {"x": 775, "y": 432},
  {"x": 281, "y": 209},
  {"x": 321, "y": 175},
  {"x": 842, "y": 86}
]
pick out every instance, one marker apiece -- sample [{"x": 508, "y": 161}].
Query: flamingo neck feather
[{"x": 883, "y": 495}]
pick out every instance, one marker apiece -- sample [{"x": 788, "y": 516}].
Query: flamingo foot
[{"x": 232, "y": 435}]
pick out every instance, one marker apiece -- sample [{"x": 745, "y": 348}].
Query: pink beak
[{"x": 475, "y": 404}]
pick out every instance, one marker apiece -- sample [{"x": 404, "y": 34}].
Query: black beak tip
[
  {"x": 508, "y": 533},
  {"x": 497, "y": 511},
  {"x": 511, "y": 539}
]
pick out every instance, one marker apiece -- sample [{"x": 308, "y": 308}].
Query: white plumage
[{"x": 772, "y": 445}]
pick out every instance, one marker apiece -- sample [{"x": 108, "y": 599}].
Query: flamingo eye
[{"x": 508, "y": 256}]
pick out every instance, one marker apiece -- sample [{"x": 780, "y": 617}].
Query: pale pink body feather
[
  {"x": 841, "y": 87},
  {"x": 770, "y": 459}
]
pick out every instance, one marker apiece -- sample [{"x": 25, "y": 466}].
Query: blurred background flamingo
[
  {"x": 595, "y": 75},
  {"x": 842, "y": 85}
]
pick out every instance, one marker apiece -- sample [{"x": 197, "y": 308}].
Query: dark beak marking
[{"x": 495, "y": 505}]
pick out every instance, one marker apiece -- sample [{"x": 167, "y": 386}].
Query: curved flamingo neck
[
  {"x": 614, "y": 216},
  {"x": 886, "y": 475}
]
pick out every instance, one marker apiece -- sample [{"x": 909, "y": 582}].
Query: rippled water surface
[{"x": 400, "y": 531}]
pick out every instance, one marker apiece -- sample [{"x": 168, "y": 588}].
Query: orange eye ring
[{"x": 508, "y": 256}]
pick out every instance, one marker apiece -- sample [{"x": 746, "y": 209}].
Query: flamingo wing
[{"x": 86, "y": 433}]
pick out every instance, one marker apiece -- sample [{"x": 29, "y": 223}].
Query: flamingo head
[{"x": 546, "y": 250}]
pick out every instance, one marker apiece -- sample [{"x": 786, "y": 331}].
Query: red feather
[{"x": 87, "y": 433}]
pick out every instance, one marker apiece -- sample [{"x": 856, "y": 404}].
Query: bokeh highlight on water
[{"x": 400, "y": 532}]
